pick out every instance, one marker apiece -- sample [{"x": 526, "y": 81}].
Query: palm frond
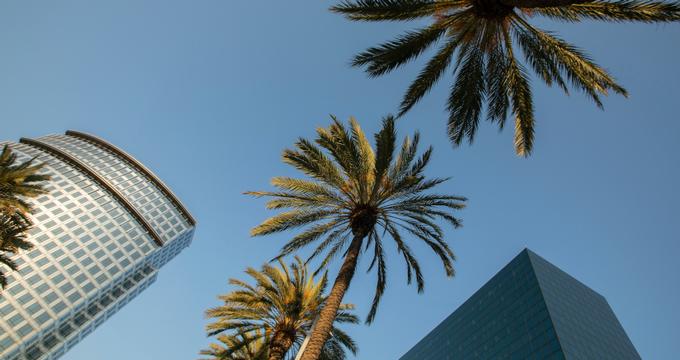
[
  {"x": 616, "y": 11},
  {"x": 467, "y": 95},
  {"x": 583, "y": 73},
  {"x": 313, "y": 162},
  {"x": 13, "y": 238},
  {"x": 308, "y": 236},
  {"x": 428, "y": 77},
  {"x": 384, "y": 145},
  {"x": 394, "y": 10},
  {"x": 386, "y": 57},
  {"x": 338, "y": 142},
  {"x": 517, "y": 83},
  {"x": 288, "y": 220},
  {"x": 381, "y": 281}
]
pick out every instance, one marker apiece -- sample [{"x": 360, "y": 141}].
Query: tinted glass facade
[
  {"x": 101, "y": 234},
  {"x": 529, "y": 310},
  {"x": 583, "y": 320}
]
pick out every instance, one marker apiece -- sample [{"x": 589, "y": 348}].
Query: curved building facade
[{"x": 101, "y": 234}]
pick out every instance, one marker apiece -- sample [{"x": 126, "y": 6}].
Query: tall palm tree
[
  {"x": 272, "y": 318},
  {"x": 483, "y": 36},
  {"x": 13, "y": 230},
  {"x": 356, "y": 197},
  {"x": 18, "y": 182}
]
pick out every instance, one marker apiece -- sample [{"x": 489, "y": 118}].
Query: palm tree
[
  {"x": 355, "y": 197},
  {"x": 247, "y": 346},
  {"x": 483, "y": 34},
  {"x": 13, "y": 230},
  {"x": 253, "y": 346},
  {"x": 18, "y": 182},
  {"x": 272, "y": 318}
]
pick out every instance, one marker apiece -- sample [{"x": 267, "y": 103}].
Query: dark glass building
[{"x": 529, "y": 310}]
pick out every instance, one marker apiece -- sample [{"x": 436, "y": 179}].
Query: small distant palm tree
[
  {"x": 253, "y": 346},
  {"x": 239, "y": 346},
  {"x": 18, "y": 182},
  {"x": 357, "y": 196},
  {"x": 13, "y": 230},
  {"x": 272, "y": 318},
  {"x": 484, "y": 34}
]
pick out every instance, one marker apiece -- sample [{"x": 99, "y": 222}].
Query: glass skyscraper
[
  {"x": 101, "y": 234},
  {"x": 529, "y": 310}
]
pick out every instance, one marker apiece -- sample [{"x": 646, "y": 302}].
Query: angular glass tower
[
  {"x": 101, "y": 234},
  {"x": 529, "y": 310}
]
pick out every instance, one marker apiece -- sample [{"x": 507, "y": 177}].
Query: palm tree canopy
[
  {"x": 253, "y": 346},
  {"x": 356, "y": 191},
  {"x": 483, "y": 35},
  {"x": 283, "y": 300},
  {"x": 19, "y": 181},
  {"x": 248, "y": 346},
  {"x": 13, "y": 230}
]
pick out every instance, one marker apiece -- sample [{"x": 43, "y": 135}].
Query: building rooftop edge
[
  {"x": 153, "y": 177},
  {"x": 96, "y": 177}
]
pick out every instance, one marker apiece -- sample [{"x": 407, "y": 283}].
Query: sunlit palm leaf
[{"x": 617, "y": 11}]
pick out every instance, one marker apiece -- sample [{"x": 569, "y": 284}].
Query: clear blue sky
[{"x": 207, "y": 94}]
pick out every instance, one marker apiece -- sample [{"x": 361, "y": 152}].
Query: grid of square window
[
  {"x": 169, "y": 250},
  {"x": 84, "y": 239},
  {"x": 141, "y": 191},
  {"x": 90, "y": 258},
  {"x": 54, "y": 340}
]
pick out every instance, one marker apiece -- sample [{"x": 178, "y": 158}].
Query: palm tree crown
[
  {"x": 357, "y": 196},
  {"x": 13, "y": 230},
  {"x": 19, "y": 181},
  {"x": 483, "y": 35},
  {"x": 239, "y": 346},
  {"x": 271, "y": 318}
]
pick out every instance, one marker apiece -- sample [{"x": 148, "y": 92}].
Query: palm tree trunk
[
  {"x": 279, "y": 345},
  {"x": 541, "y": 3},
  {"x": 324, "y": 324}
]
